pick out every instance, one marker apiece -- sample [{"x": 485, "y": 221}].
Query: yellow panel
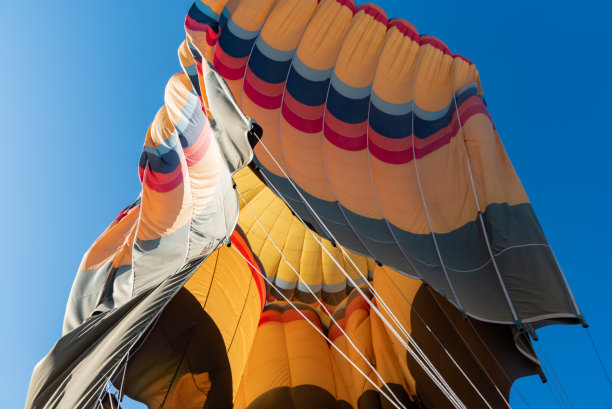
[
  {"x": 225, "y": 288},
  {"x": 323, "y": 37},
  {"x": 291, "y": 236},
  {"x": 286, "y": 23},
  {"x": 268, "y": 356},
  {"x": 394, "y": 77}
]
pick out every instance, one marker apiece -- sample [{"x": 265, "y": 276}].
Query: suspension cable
[
  {"x": 378, "y": 297},
  {"x": 552, "y": 369},
  {"x": 309, "y": 289},
  {"x": 440, "y": 382},
  {"x": 445, "y": 349},
  {"x": 601, "y": 362},
  {"x": 398, "y": 405}
]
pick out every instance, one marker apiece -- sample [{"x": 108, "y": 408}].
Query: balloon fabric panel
[{"x": 387, "y": 137}]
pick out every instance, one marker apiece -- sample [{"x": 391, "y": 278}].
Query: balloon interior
[{"x": 328, "y": 219}]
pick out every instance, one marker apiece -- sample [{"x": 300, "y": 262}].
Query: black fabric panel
[
  {"x": 485, "y": 351},
  {"x": 298, "y": 397},
  {"x": 372, "y": 399},
  {"x": 184, "y": 343}
]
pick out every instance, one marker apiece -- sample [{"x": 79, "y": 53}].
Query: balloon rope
[
  {"x": 417, "y": 272},
  {"x": 601, "y": 362},
  {"x": 123, "y": 377},
  {"x": 378, "y": 296},
  {"x": 110, "y": 397},
  {"x": 457, "y": 401},
  {"x": 398, "y": 405},
  {"x": 440, "y": 382},
  {"x": 462, "y": 339},
  {"x": 564, "y": 392},
  {"x": 555, "y": 394},
  {"x": 452, "y": 394},
  {"x": 498, "y": 364},
  {"x": 315, "y": 296}
]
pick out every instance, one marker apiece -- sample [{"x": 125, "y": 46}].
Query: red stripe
[
  {"x": 229, "y": 61},
  {"x": 265, "y": 88},
  {"x": 161, "y": 182},
  {"x": 436, "y": 43},
  {"x": 406, "y": 28},
  {"x": 200, "y": 75},
  {"x": 423, "y": 147},
  {"x": 303, "y": 110},
  {"x": 350, "y": 4},
  {"x": 225, "y": 71},
  {"x": 260, "y": 99},
  {"x": 194, "y": 25},
  {"x": 392, "y": 157},
  {"x": 388, "y": 143},
  {"x": 212, "y": 37},
  {"x": 335, "y": 332},
  {"x": 462, "y": 58},
  {"x": 301, "y": 123},
  {"x": 289, "y": 316},
  {"x": 357, "y": 304},
  {"x": 195, "y": 152},
  {"x": 238, "y": 241},
  {"x": 348, "y": 143},
  {"x": 373, "y": 10},
  {"x": 125, "y": 212}
]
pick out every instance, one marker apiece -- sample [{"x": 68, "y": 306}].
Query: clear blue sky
[{"x": 81, "y": 81}]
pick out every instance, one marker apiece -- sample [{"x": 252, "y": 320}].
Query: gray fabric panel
[
  {"x": 153, "y": 260},
  {"x": 74, "y": 372},
  {"x": 535, "y": 284},
  {"x": 84, "y": 296},
  {"x": 529, "y": 272},
  {"x": 229, "y": 121},
  {"x": 217, "y": 220}
]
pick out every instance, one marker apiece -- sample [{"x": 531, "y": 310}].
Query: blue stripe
[
  {"x": 234, "y": 46},
  {"x": 166, "y": 146},
  {"x": 165, "y": 163},
  {"x": 352, "y": 111},
  {"x": 206, "y": 10},
  {"x": 224, "y": 18},
  {"x": 312, "y": 93},
  {"x": 194, "y": 52},
  {"x": 193, "y": 129},
  {"x": 195, "y": 83},
  {"x": 227, "y": 24},
  {"x": 272, "y": 53},
  {"x": 196, "y": 14},
  {"x": 391, "y": 126},
  {"x": 400, "y": 126},
  {"x": 267, "y": 69}
]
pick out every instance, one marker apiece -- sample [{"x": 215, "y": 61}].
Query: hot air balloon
[{"x": 382, "y": 230}]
